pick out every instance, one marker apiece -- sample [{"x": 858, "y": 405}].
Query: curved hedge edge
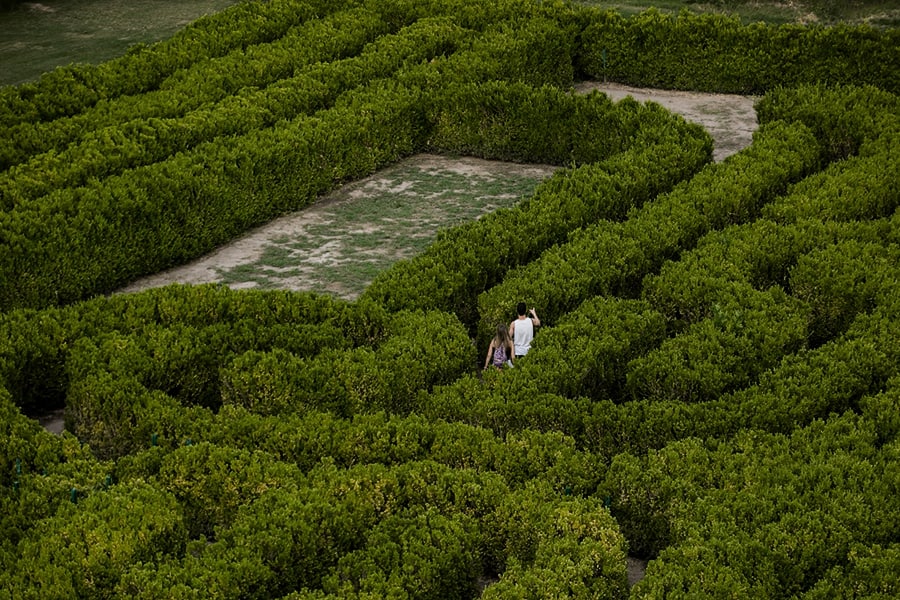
[
  {"x": 468, "y": 259},
  {"x": 842, "y": 117},
  {"x": 613, "y": 258}
]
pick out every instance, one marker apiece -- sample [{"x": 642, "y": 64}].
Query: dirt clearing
[
  {"x": 338, "y": 244},
  {"x": 729, "y": 119}
]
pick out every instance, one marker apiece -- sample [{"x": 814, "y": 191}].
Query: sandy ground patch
[{"x": 730, "y": 119}]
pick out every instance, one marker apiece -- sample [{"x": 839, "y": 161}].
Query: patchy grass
[
  {"x": 343, "y": 243},
  {"x": 38, "y": 36}
]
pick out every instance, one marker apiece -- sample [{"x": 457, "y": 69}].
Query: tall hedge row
[
  {"x": 469, "y": 259},
  {"x": 706, "y": 52},
  {"x": 526, "y": 43},
  {"x": 740, "y": 288},
  {"x": 275, "y": 529},
  {"x": 760, "y": 265},
  {"x": 612, "y": 258},
  {"x": 37, "y": 345},
  {"x": 842, "y": 116},
  {"x": 189, "y": 90},
  {"x": 717, "y": 53},
  {"x": 80, "y": 241},
  {"x": 739, "y": 527}
]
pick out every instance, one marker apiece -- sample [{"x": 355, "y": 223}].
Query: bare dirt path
[
  {"x": 729, "y": 119},
  {"x": 337, "y": 244}
]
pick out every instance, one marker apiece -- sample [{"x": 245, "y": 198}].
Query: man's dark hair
[{"x": 520, "y": 308}]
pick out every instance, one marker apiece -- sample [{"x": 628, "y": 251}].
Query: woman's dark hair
[{"x": 502, "y": 335}]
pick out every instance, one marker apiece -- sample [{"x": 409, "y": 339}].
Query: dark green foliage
[
  {"x": 70, "y": 90},
  {"x": 840, "y": 282},
  {"x": 122, "y": 363},
  {"x": 743, "y": 525},
  {"x": 612, "y": 258},
  {"x": 728, "y": 351},
  {"x": 843, "y": 117},
  {"x": 557, "y": 547},
  {"x": 249, "y": 88},
  {"x": 587, "y": 352},
  {"x": 153, "y": 216},
  {"x": 716, "y": 53},
  {"x": 862, "y": 187},
  {"x": 714, "y": 385},
  {"x": 25, "y": 445},
  {"x": 427, "y": 555},
  {"x": 91, "y": 544},
  {"x": 871, "y": 571},
  {"x": 420, "y": 350},
  {"x": 211, "y": 483}
]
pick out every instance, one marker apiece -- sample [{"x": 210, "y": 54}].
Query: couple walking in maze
[{"x": 512, "y": 342}]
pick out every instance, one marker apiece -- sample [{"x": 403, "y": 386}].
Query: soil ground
[
  {"x": 338, "y": 244},
  {"x": 730, "y": 119}
]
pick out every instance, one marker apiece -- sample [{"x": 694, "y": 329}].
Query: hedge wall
[
  {"x": 717, "y": 53},
  {"x": 714, "y": 388}
]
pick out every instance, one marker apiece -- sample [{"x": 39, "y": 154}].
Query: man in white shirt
[{"x": 522, "y": 329}]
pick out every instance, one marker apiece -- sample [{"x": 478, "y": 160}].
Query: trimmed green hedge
[
  {"x": 722, "y": 507},
  {"x": 204, "y": 90},
  {"x": 612, "y": 258},
  {"x": 271, "y": 444},
  {"x": 862, "y": 187},
  {"x": 842, "y": 116},
  {"x": 81, "y": 241},
  {"x": 421, "y": 350},
  {"x": 70, "y": 90},
  {"x": 35, "y": 354},
  {"x": 346, "y": 532},
  {"x": 717, "y": 53},
  {"x": 82, "y": 551}
]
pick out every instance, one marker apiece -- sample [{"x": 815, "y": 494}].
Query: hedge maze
[{"x": 716, "y": 386}]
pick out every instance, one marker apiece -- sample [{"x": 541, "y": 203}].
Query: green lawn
[{"x": 36, "y": 37}]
